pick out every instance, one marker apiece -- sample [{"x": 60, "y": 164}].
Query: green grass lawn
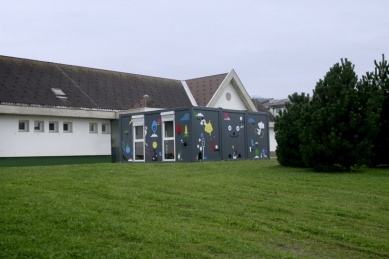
[{"x": 242, "y": 209}]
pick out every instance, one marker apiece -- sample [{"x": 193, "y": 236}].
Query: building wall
[
  {"x": 80, "y": 142},
  {"x": 235, "y": 103},
  {"x": 273, "y": 142},
  {"x": 200, "y": 134}
]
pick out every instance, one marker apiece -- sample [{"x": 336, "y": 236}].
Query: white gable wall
[
  {"x": 28, "y": 144},
  {"x": 235, "y": 103}
]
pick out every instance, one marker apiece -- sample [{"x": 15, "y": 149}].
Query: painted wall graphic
[{"x": 154, "y": 128}]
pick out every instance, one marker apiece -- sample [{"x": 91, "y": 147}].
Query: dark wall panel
[
  {"x": 233, "y": 134},
  {"x": 153, "y": 137},
  {"x": 206, "y": 135},
  {"x": 183, "y": 135},
  {"x": 258, "y": 136}
]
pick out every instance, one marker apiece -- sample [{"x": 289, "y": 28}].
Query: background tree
[
  {"x": 380, "y": 80},
  {"x": 287, "y": 129},
  {"x": 335, "y": 136}
]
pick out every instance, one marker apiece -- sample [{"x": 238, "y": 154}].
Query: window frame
[
  {"x": 70, "y": 127},
  {"x": 95, "y": 129},
  {"x": 26, "y": 127},
  {"x": 41, "y": 128},
  {"x": 107, "y": 128},
  {"x": 168, "y": 117},
  {"x": 55, "y": 130}
]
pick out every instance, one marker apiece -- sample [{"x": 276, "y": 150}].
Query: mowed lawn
[{"x": 240, "y": 209}]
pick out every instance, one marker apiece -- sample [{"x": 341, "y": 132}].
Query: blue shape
[
  {"x": 154, "y": 127},
  {"x": 185, "y": 117},
  {"x": 201, "y": 135},
  {"x": 160, "y": 153},
  {"x": 252, "y": 142},
  {"x": 251, "y": 120},
  {"x": 205, "y": 158}
]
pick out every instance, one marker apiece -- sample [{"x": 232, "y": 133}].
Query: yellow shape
[
  {"x": 155, "y": 145},
  {"x": 208, "y": 128},
  {"x": 130, "y": 122}
]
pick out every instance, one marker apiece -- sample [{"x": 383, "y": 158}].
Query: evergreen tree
[
  {"x": 380, "y": 79},
  {"x": 287, "y": 129},
  {"x": 335, "y": 136}
]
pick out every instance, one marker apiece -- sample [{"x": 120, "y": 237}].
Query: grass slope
[{"x": 243, "y": 209}]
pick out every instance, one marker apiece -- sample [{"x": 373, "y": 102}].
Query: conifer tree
[
  {"x": 380, "y": 80},
  {"x": 287, "y": 129},
  {"x": 335, "y": 134}
]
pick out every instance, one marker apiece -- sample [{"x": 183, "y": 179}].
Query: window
[
  {"x": 92, "y": 127},
  {"x": 168, "y": 136},
  {"x": 23, "y": 126},
  {"x": 139, "y": 139},
  {"x": 59, "y": 93},
  {"x": 139, "y": 143},
  {"x": 105, "y": 128},
  {"x": 67, "y": 127},
  {"x": 38, "y": 126},
  {"x": 53, "y": 126}
]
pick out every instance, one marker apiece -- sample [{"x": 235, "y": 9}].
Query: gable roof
[
  {"x": 233, "y": 79},
  {"x": 204, "y": 88},
  {"x": 25, "y": 81}
]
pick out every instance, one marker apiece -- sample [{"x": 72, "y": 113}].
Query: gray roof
[{"x": 24, "y": 81}]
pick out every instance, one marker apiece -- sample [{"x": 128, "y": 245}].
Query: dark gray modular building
[{"x": 190, "y": 134}]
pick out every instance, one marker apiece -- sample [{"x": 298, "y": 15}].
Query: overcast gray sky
[{"x": 276, "y": 47}]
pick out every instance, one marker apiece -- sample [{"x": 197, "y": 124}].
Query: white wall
[
  {"x": 272, "y": 139},
  {"x": 235, "y": 103},
  {"x": 80, "y": 142}
]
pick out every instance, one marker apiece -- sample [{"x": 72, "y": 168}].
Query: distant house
[
  {"x": 274, "y": 106},
  {"x": 53, "y": 113}
]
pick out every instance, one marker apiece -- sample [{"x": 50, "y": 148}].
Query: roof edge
[{"x": 189, "y": 93}]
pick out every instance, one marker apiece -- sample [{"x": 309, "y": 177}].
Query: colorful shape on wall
[
  {"x": 154, "y": 127},
  {"x": 186, "y": 133},
  {"x": 208, "y": 128},
  {"x": 155, "y": 144},
  {"x": 251, "y": 120},
  {"x": 256, "y": 153},
  {"x": 199, "y": 116},
  {"x": 213, "y": 146},
  {"x": 226, "y": 116},
  {"x": 126, "y": 132},
  {"x": 178, "y": 129},
  {"x": 252, "y": 142},
  {"x": 263, "y": 153},
  {"x": 159, "y": 121},
  {"x": 201, "y": 146},
  {"x": 233, "y": 134},
  {"x": 184, "y": 143},
  {"x": 260, "y": 131},
  {"x": 128, "y": 149},
  {"x": 130, "y": 122},
  {"x": 185, "y": 117},
  {"x": 160, "y": 153}
]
